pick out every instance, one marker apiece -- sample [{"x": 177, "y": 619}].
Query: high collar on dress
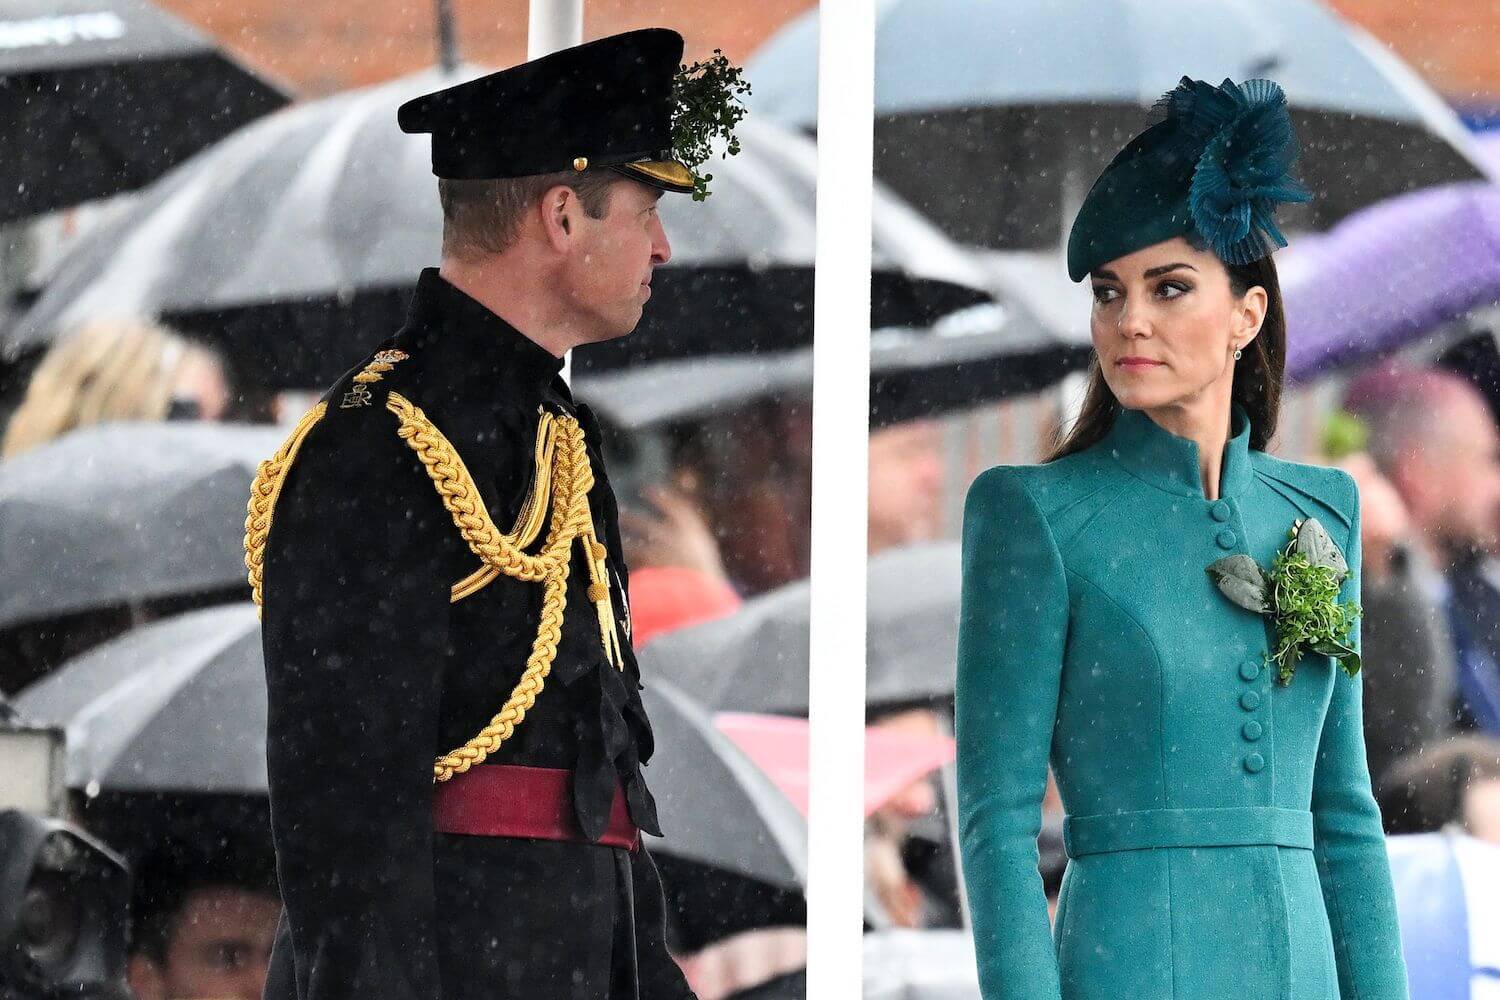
[
  {"x": 1154, "y": 454},
  {"x": 487, "y": 347}
]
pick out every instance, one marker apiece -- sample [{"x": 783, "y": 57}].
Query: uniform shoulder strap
[{"x": 350, "y": 393}]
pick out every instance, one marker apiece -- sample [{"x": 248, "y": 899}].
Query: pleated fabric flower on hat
[
  {"x": 1212, "y": 167},
  {"x": 1244, "y": 168}
]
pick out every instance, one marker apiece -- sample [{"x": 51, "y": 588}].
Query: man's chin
[{"x": 615, "y": 330}]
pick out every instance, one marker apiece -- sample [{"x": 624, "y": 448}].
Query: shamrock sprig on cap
[
  {"x": 707, "y": 108},
  {"x": 1300, "y": 594}
]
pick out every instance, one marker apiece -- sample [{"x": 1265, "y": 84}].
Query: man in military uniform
[{"x": 456, "y": 734}]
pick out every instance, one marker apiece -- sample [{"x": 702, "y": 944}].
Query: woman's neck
[{"x": 1204, "y": 420}]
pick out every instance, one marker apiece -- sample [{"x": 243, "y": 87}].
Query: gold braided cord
[
  {"x": 269, "y": 476},
  {"x": 461, "y": 497},
  {"x": 571, "y": 479},
  {"x": 533, "y": 510}
]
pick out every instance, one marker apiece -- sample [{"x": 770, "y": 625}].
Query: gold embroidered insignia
[
  {"x": 358, "y": 395},
  {"x": 384, "y": 361}
]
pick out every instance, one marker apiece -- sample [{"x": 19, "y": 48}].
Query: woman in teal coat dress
[{"x": 1221, "y": 834}]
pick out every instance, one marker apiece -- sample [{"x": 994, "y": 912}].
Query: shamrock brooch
[{"x": 1300, "y": 595}]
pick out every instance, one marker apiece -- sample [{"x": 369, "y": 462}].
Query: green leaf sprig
[
  {"x": 1301, "y": 596},
  {"x": 708, "y": 107}
]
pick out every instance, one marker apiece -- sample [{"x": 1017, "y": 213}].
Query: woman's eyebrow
[{"x": 1152, "y": 272}]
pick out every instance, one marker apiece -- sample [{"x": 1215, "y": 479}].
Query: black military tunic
[{"x": 372, "y": 673}]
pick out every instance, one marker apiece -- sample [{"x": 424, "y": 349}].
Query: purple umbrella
[{"x": 1390, "y": 274}]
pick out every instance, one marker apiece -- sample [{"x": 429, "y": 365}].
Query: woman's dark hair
[{"x": 1258, "y": 375}]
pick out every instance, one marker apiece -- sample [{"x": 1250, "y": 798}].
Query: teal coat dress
[{"x": 1221, "y": 834}]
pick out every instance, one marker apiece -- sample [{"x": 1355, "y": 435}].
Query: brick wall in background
[
  {"x": 1454, "y": 44},
  {"x": 316, "y": 47},
  {"x": 320, "y": 46}
]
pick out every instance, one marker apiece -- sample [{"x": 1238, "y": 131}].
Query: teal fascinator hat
[{"x": 1213, "y": 166}]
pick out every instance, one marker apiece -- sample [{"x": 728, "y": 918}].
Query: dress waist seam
[{"x": 1237, "y": 826}]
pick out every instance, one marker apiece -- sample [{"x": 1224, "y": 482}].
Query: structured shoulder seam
[
  {"x": 1018, "y": 474},
  {"x": 1340, "y": 506}
]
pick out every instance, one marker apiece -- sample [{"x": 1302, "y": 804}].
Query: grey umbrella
[
  {"x": 179, "y": 705},
  {"x": 128, "y": 511},
  {"x": 994, "y": 116},
  {"x": 102, "y": 96},
  {"x": 756, "y": 660},
  {"x": 294, "y": 244}
]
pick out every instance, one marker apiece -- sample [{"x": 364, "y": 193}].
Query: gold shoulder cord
[
  {"x": 562, "y": 471},
  {"x": 269, "y": 476},
  {"x": 571, "y": 478}
]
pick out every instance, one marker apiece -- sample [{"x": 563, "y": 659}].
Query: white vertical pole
[
  {"x": 841, "y": 407},
  {"x": 553, "y": 25}
]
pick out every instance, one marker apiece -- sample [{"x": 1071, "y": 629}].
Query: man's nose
[{"x": 661, "y": 249}]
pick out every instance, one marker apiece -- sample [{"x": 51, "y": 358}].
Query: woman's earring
[{"x": 1237, "y": 353}]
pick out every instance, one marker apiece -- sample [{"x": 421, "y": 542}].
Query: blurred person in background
[
  {"x": 1431, "y": 433},
  {"x": 906, "y": 484},
  {"x": 912, "y": 878},
  {"x": 729, "y": 516},
  {"x": 203, "y": 923},
  {"x": 1409, "y": 694},
  {"x": 113, "y": 370},
  {"x": 733, "y": 513},
  {"x": 1452, "y": 784}
]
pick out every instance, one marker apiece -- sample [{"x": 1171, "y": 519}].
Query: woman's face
[{"x": 1166, "y": 322}]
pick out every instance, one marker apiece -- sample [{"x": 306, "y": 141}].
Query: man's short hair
[
  {"x": 168, "y": 873},
  {"x": 483, "y": 216},
  {"x": 1402, "y": 408}
]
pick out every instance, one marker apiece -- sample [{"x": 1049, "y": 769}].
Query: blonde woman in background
[{"x": 111, "y": 370}]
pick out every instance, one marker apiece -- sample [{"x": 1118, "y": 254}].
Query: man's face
[
  {"x": 220, "y": 947},
  {"x": 1452, "y": 479},
  {"x": 607, "y": 274},
  {"x": 906, "y": 483}
]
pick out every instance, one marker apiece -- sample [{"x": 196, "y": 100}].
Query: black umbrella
[
  {"x": 180, "y": 706},
  {"x": 294, "y": 244},
  {"x": 125, "y": 512},
  {"x": 102, "y": 96},
  {"x": 982, "y": 354},
  {"x": 993, "y": 117},
  {"x": 756, "y": 660}
]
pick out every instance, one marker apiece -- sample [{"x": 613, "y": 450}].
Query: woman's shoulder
[
  {"x": 1330, "y": 488},
  {"x": 1050, "y": 487}
]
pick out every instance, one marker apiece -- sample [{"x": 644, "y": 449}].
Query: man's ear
[{"x": 559, "y": 213}]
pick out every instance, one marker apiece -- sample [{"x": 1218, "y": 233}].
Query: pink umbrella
[{"x": 894, "y": 759}]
